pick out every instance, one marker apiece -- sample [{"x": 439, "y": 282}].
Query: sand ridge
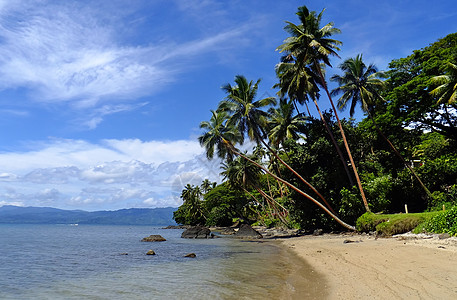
[{"x": 358, "y": 266}]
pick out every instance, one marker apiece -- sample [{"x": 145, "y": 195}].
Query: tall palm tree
[
  {"x": 447, "y": 89},
  {"x": 220, "y": 141},
  {"x": 247, "y": 116},
  {"x": 299, "y": 82},
  {"x": 361, "y": 84},
  {"x": 310, "y": 44},
  {"x": 246, "y": 113}
]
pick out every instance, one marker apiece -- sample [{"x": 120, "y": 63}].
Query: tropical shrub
[{"x": 445, "y": 222}]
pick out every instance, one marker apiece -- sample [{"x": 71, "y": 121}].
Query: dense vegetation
[{"x": 322, "y": 171}]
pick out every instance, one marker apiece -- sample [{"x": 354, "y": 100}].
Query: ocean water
[{"x": 87, "y": 262}]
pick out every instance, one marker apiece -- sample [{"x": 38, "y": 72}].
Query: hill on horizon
[{"x": 10, "y": 214}]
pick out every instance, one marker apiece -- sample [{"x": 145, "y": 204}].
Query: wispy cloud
[{"x": 76, "y": 59}]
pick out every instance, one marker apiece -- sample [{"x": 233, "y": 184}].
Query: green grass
[{"x": 388, "y": 225}]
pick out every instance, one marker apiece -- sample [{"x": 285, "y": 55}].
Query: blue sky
[{"x": 100, "y": 101}]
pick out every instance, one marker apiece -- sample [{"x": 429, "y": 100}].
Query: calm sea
[{"x": 86, "y": 262}]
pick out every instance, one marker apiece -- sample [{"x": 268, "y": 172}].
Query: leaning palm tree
[
  {"x": 247, "y": 116},
  {"x": 310, "y": 44},
  {"x": 218, "y": 137},
  {"x": 447, "y": 89},
  {"x": 242, "y": 174},
  {"x": 361, "y": 84}
]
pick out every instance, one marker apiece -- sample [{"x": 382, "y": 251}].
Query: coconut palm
[
  {"x": 447, "y": 89},
  {"x": 207, "y": 185},
  {"x": 310, "y": 44},
  {"x": 217, "y": 136},
  {"x": 283, "y": 124},
  {"x": 299, "y": 82},
  {"x": 361, "y": 84},
  {"x": 213, "y": 139},
  {"x": 244, "y": 175},
  {"x": 247, "y": 116},
  {"x": 246, "y": 113},
  {"x": 191, "y": 196}
]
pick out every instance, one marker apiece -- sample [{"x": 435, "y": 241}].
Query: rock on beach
[
  {"x": 154, "y": 238},
  {"x": 197, "y": 232}
]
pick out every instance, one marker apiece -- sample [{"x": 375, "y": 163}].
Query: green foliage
[
  {"x": 444, "y": 222},
  {"x": 351, "y": 206},
  {"x": 387, "y": 225},
  {"x": 379, "y": 192}
]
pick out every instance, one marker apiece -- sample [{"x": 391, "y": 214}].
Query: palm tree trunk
[
  {"x": 350, "y": 227},
  {"x": 359, "y": 183},
  {"x": 338, "y": 149},
  {"x": 298, "y": 176},
  {"x": 400, "y": 156}
]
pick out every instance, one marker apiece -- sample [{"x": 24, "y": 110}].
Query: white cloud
[{"x": 111, "y": 175}]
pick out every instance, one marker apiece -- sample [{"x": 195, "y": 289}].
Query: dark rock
[
  {"x": 246, "y": 231},
  {"x": 151, "y": 252},
  {"x": 191, "y": 255},
  {"x": 444, "y": 236},
  {"x": 197, "y": 232},
  {"x": 318, "y": 232},
  {"x": 154, "y": 238},
  {"x": 348, "y": 241},
  {"x": 125, "y": 253},
  {"x": 177, "y": 227}
]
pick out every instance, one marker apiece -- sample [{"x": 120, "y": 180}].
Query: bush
[
  {"x": 388, "y": 225},
  {"x": 445, "y": 222}
]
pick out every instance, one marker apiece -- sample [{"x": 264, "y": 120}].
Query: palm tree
[
  {"x": 310, "y": 44},
  {"x": 447, "y": 89},
  {"x": 218, "y": 134},
  {"x": 213, "y": 139},
  {"x": 245, "y": 112},
  {"x": 359, "y": 84},
  {"x": 191, "y": 196},
  {"x": 247, "y": 116},
  {"x": 362, "y": 84},
  {"x": 298, "y": 81},
  {"x": 207, "y": 185},
  {"x": 283, "y": 124},
  {"x": 243, "y": 174}
]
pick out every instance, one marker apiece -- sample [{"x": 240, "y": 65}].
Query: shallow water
[{"x": 85, "y": 262}]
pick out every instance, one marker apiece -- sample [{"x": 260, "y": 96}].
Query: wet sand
[{"x": 363, "y": 267}]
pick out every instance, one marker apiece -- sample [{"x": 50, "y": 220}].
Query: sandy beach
[{"x": 364, "y": 267}]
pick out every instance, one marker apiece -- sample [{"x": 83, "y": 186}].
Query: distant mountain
[{"x": 48, "y": 215}]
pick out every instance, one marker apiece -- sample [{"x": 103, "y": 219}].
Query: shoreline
[{"x": 357, "y": 266}]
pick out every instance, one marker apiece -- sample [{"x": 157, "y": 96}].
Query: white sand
[{"x": 402, "y": 267}]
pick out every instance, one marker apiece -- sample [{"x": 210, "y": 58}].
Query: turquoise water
[{"x": 86, "y": 262}]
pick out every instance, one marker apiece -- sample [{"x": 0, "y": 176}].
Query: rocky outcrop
[
  {"x": 247, "y": 232},
  {"x": 177, "y": 227},
  {"x": 191, "y": 255},
  {"x": 197, "y": 232},
  {"x": 150, "y": 252},
  {"x": 154, "y": 238}
]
